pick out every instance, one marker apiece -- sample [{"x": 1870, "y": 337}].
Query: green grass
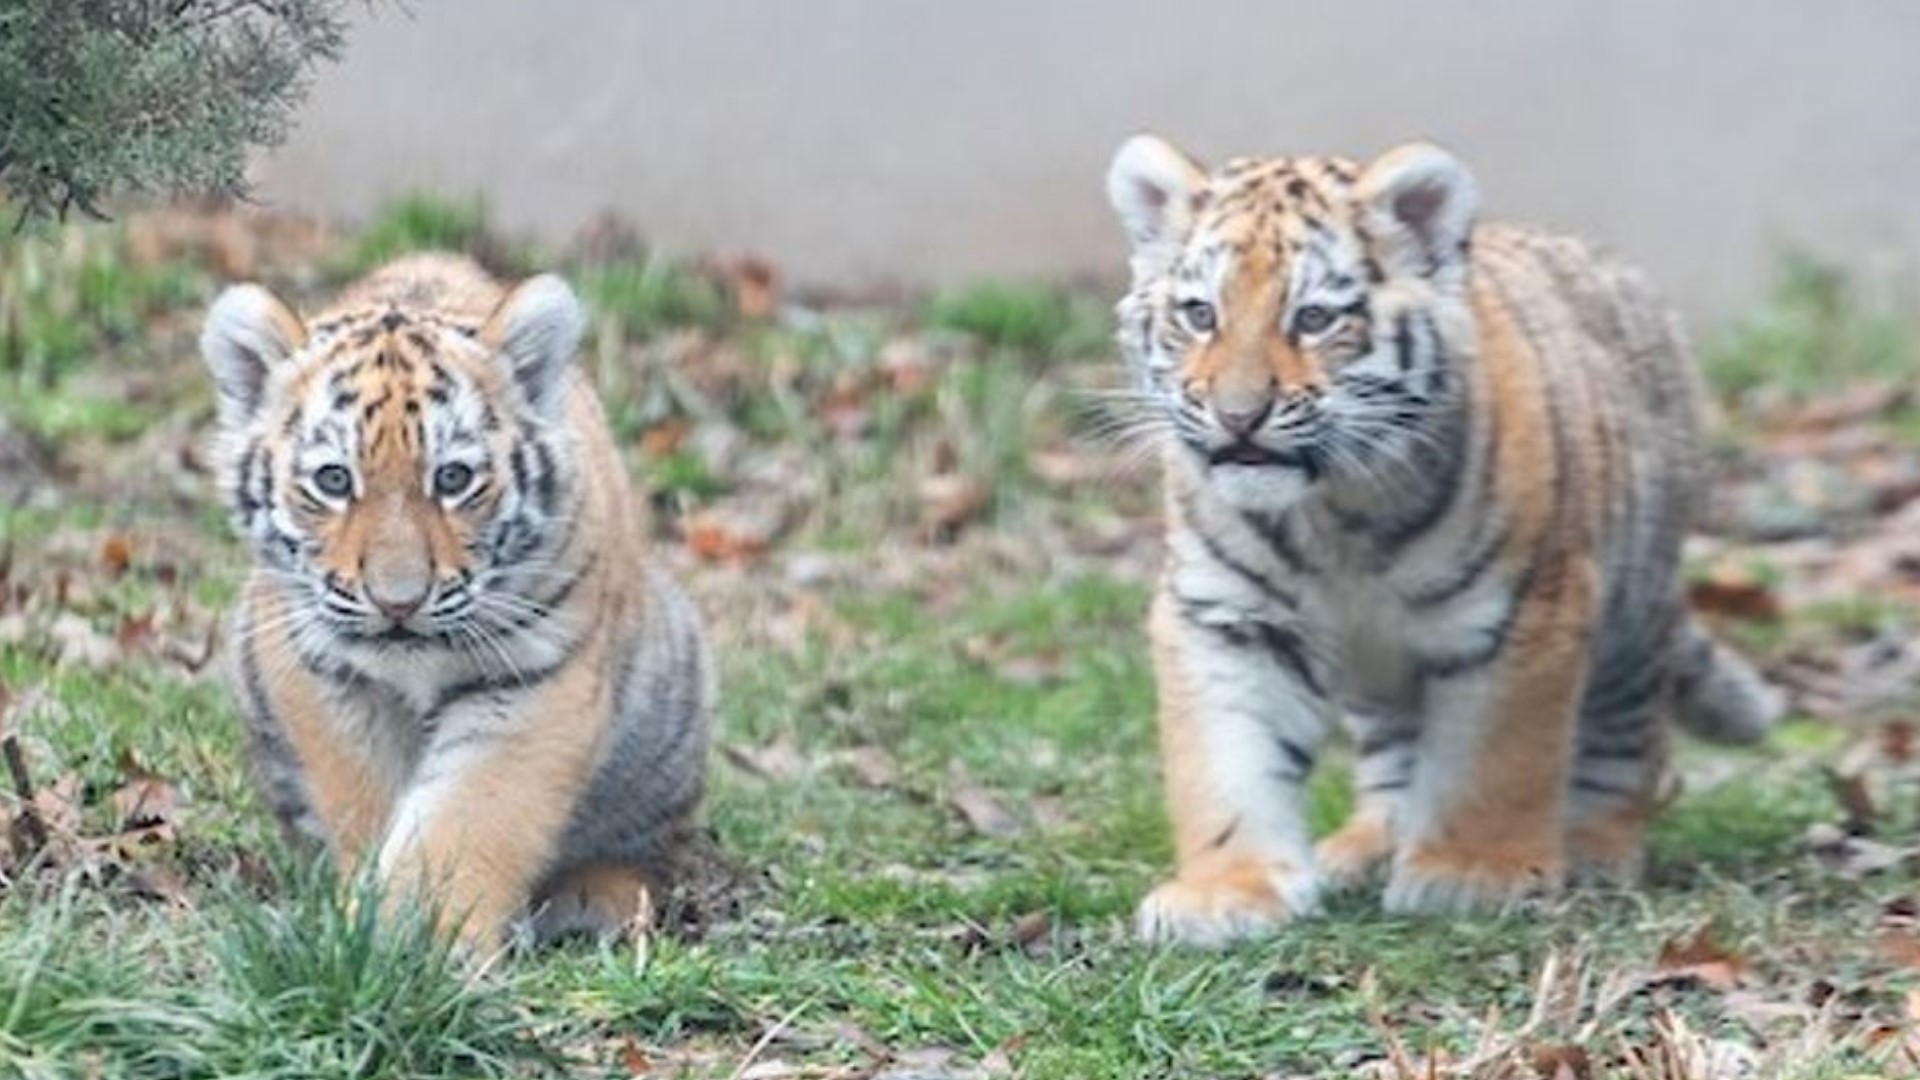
[
  {"x": 420, "y": 221},
  {"x": 649, "y": 295},
  {"x": 68, "y": 302},
  {"x": 1817, "y": 329},
  {"x": 885, "y": 913},
  {"x": 1033, "y": 319},
  {"x": 1010, "y": 663}
]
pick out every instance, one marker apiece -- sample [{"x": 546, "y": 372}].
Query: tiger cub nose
[
  {"x": 397, "y": 602},
  {"x": 1242, "y": 420}
]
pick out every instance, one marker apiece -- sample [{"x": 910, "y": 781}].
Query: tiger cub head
[
  {"x": 1289, "y": 319},
  {"x": 402, "y": 473}
]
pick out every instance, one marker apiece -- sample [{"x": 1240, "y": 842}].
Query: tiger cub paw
[
  {"x": 1356, "y": 851},
  {"x": 1448, "y": 881},
  {"x": 1611, "y": 852},
  {"x": 1219, "y": 906}
]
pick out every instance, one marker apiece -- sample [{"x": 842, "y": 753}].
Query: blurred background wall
[{"x": 872, "y": 142}]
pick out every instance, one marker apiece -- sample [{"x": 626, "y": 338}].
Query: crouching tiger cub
[
  {"x": 1430, "y": 476},
  {"x": 452, "y": 651}
]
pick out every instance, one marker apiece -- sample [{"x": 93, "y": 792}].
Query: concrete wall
[{"x": 921, "y": 141}]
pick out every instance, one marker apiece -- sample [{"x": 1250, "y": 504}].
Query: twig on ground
[{"x": 32, "y": 828}]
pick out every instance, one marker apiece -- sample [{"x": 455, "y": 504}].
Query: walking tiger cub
[
  {"x": 452, "y": 652},
  {"x": 1429, "y": 475}
]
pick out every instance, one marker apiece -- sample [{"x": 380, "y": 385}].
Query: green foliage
[
  {"x": 649, "y": 295},
  {"x": 61, "y": 305},
  {"x": 106, "y": 97},
  {"x": 68, "y": 998},
  {"x": 1031, "y": 319},
  {"x": 325, "y": 986},
  {"x": 421, "y": 222},
  {"x": 1815, "y": 330}
]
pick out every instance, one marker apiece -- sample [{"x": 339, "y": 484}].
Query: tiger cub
[
  {"x": 1427, "y": 475},
  {"x": 453, "y": 652}
]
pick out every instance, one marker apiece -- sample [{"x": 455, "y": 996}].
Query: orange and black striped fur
[
  {"x": 1426, "y": 476},
  {"x": 453, "y": 652}
]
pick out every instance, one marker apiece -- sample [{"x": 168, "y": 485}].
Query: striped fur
[
  {"x": 453, "y": 654},
  {"x": 1426, "y": 476}
]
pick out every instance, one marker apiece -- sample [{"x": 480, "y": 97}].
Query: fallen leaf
[
  {"x": 1850, "y": 790},
  {"x": 983, "y": 812},
  {"x": 116, "y": 554},
  {"x": 146, "y": 800},
  {"x": 135, "y": 632},
  {"x": 632, "y": 1058},
  {"x": 665, "y": 437},
  {"x": 718, "y": 538},
  {"x": 1901, "y": 949},
  {"x": 754, "y": 285},
  {"x": 949, "y": 501},
  {"x": 1699, "y": 959},
  {"x": 776, "y": 760},
  {"x": 1897, "y": 740},
  {"x": 873, "y": 766},
  {"x": 1735, "y": 594},
  {"x": 1033, "y": 932},
  {"x": 1852, "y": 405},
  {"x": 1555, "y": 1061}
]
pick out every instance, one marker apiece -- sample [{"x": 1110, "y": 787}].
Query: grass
[
  {"x": 1817, "y": 328},
  {"x": 421, "y": 221},
  {"x": 1022, "y": 318},
  {"x": 1001, "y": 662}
]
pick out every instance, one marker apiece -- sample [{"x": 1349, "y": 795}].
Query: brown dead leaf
[
  {"x": 632, "y": 1058},
  {"x": 146, "y": 800},
  {"x": 135, "y": 632},
  {"x": 158, "y": 882},
  {"x": 1557, "y": 1061},
  {"x": 1033, "y": 932},
  {"x": 1897, "y": 740},
  {"x": 1733, "y": 593},
  {"x": 719, "y": 537},
  {"x": 949, "y": 501},
  {"x": 1852, "y": 405},
  {"x": 983, "y": 811},
  {"x": 195, "y": 661},
  {"x": 116, "y": 554},
  {"x": 1901, "y": 949},
  {"x": 873, "y": 766},
  {"x": 755, "y": 286},
  {"x": 776, "y": 760},
  {"x": 665, "y": 437},
  {"x": 1850, "y": 790},
  {"x": 58, "y": 806},
  {"x": 1699, "y": 959}
]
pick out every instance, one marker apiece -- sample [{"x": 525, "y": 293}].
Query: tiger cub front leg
[
  {"x": 1384, "y": 742},
  {"x": 1482, "y": 825},
  {"x": 482, "y": 818},
  {"x": 1241, "y": 715}
]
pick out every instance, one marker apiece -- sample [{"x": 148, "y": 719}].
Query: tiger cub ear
[
  {"x": 248, "y": 332},
  {"x": 1418, "y": 204},
  {"x": 1152, "y": 185},
  {"x": 537, "y": 327}
]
